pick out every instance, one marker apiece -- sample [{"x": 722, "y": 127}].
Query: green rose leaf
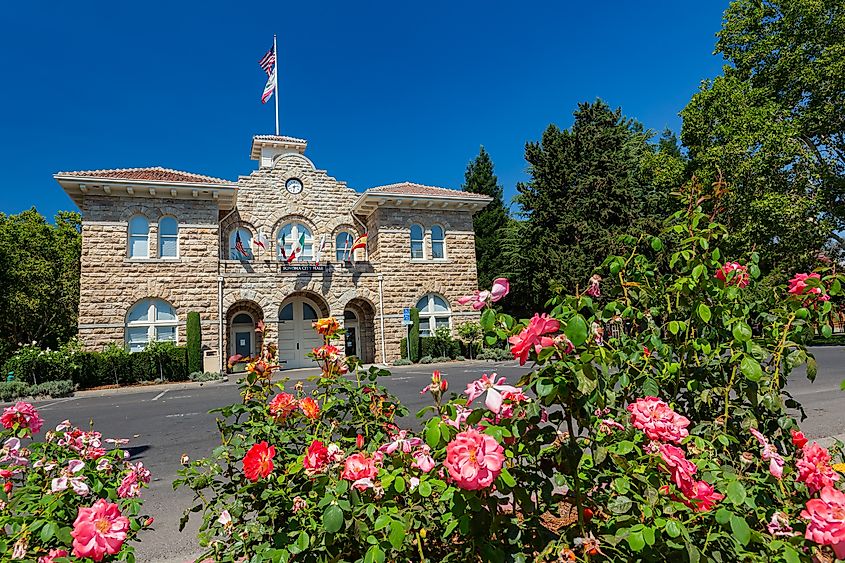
[
  {"x": 704, "y": 313},
  {"x": 619, "y": 505},
  {"x": 488, "y": 319},
  {"x": 332, "y": 518},
  {"x": 374, "y": 555},
  {"x": 399, "y": 484},
  {"x": 736, "y": 492},
  {"x": 507, "y": 478},
  {"x": 674, "y": 327},
  {"x": 740, "y": 529},
  {"x": 397, "y": 534},
  {"x": 432, "y": 435},
  {"x": 425, "y": 489},
  {"x": 827, "y": 332},
  {"x": 751, "y": 369},
  {"x": 673, "y": 530},
  {"x": 636, "y": 540},
  {"x": 656, "y": 244},
  {"x": 576, "y": 330},
  {"x": 742, "y": 332}
]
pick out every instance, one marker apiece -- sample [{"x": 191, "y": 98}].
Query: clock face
[{"x": 294, "y": 185}]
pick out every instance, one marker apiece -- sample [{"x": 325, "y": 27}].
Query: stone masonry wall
[{"x": 111, "y": 282}]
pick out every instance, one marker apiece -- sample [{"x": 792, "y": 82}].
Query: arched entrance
[
  {"x": 241, "y": 320},
  {"x": 359, "y": 337},
  {"x": 296, "y": 335}
]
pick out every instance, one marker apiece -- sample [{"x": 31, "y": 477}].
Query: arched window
[
  {"x": 438, "y": 245},
  {"x": 150, "y": 320},
  {"x": 417, "y": 242},
  {"x": 168, "y": 238},
  {"x": 139, "y": 237},
  {"x": 343, "y": 246},
  {"x": 290, "y": 236},
  {"x": 244, "y": 250},
  {"x": 434, "y": 313}
]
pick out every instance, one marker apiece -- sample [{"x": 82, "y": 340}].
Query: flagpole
[{"x": 276, "y": 81}]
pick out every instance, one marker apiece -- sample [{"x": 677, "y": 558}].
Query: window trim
[
  {"x": 175, "y": 237},
  {"x": 412, "y": 241},
  {"x": 130, "y": 235},
  {"x": 151, "y": 323},
  {"x": 310, "y": 235},
  {"x": 442, "y": 241},
  {"x": 247, "y": 246},
  {"x": 428, "y": 313}
]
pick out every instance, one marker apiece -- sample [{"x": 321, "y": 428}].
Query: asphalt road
[{"x": 164, "y": 422}]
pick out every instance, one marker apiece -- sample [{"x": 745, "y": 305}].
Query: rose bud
[{"x": 359, "y": 441}]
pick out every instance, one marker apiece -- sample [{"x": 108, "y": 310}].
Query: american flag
[
  {"x": 239, "y": 246},
  {"x": 268, "y": 61}
]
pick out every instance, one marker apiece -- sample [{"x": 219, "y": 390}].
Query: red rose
[{"x": 258, "y": 461}]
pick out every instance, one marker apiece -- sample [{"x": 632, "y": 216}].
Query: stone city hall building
[{"x": 159, "y": 243}]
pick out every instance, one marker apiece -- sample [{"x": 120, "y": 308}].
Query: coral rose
[
  {"x": 316, "y": 457},
  {"x": 360, "y": 469},
  {"x": 826, "y": 520},
  {"x": 310, "y": 407},
  {"x": 658, "y": 420},
  {"x": 733, "y": 273},
  {"x": 258, "y": 462},
  {"x": 327, "y": 327},
  {"x": 702, "y": 496},
  {"x": 99, "y": 530},
  {"x": 282, "y": 405},
  {"x": 24, "y": 415},
  {"x": 474, "y": 460},
  {"x": 814, "y": 468},
  {"x": 534, "y": 337},
  {"x": 798, "y": 286},
  {"x": 798, "y": 438}
]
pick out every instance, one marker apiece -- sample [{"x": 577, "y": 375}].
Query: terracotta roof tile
[
  {"x": 410, "y": 188},
  {"x": 280, "y": 138},
  {"x": 154, "y": 173}
]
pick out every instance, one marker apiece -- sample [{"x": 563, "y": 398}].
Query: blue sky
[{"x": 383, "y": 91}]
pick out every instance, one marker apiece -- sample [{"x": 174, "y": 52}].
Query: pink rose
[
  {"x": 826, "y": 520},
  {"x": 594, "y": 286},
  {"x": 52, "y": 555},
  {"x": 479, "y": 299},
  {"x": 99, "y": 530},
  {"x": 733, "y": 273},
  {"x": 461, "y": 415},
  {"x": 422, "y": 459},
  {"x": 769, "y": 453},
  {"x": 702, "y": 496},
  {"x": 658, "y": 420},
  {"x": 474, "y": 460},
  {"x": 359, "y": 469},
  {"x": 23, "y": 415},
  {"x": 533, "y": 337},
  {"x": 679, "y": 467},
  {"x": 495, "y": 391},
  {"x": 798, "y": 286},
  {"x": 814, "y": 468},
  {"x": 400, "y": 442}
]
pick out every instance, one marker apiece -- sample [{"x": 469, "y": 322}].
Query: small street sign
[{"x": 406, "y": 316}]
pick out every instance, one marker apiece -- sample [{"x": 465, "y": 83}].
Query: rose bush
[
  {"x": 72, "y": 497},
  {"x": 671, "y": 438}
]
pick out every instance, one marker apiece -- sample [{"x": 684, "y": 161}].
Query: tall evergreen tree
[
  {"x": 589, "y": 184},
  {"x": 489, "y": 222}
]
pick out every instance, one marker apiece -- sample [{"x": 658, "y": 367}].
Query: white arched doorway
[{"x": 296, "y": 335}]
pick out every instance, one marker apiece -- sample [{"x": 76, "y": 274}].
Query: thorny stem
[
  {"x": 419, "y": 546},
  {"x": 576, "y": 479},
  {"x": 779, "y": 351}
]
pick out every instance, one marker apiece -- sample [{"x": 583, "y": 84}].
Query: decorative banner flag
[
  {"x": 297, "y": 248},
  {"x": 360, "y": 242},
  {"x": 261, "y": 240},
  {"x": 282, "y": 254},
  {"x": 320, "y": 249},
  {"x": 346, "y": 248},
  {"x": 239, "y": 245}
]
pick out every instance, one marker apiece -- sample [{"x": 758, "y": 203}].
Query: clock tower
[{"x": 267, "y": 148}]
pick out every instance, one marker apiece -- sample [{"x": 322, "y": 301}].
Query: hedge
[
  {"x": 93, "y": 369},
  {"x": 427, "y": 345},
  {"x": 193, "y": 337}
]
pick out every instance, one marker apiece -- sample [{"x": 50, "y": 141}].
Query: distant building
[{"x": 159, "y": 243}]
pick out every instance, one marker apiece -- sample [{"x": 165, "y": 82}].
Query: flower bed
[
  {"x": 68, "y": 497},
  {"x": 667, "y": 442}
]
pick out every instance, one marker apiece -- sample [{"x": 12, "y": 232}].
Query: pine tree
[
  {"x": 489, "y": 222},
  {"x": 587, "y": 189}
]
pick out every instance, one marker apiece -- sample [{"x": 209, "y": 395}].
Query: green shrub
[
  {"x": 460, "y": 358},
  {"x": 53, "y": 389},
  {"x": 430, "y": 346},
  {"x": 426, "y": 360},
  {"x": 441, "y": 359},
  {"x": 13, "y": 390},
  {"x": 193, "y": 335},
  {"x": 402, "y": 362},
  {"x": 494, "y": 354},
  {"x": 414, "y": 334},
  {"x": 205, "y": 376}
]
